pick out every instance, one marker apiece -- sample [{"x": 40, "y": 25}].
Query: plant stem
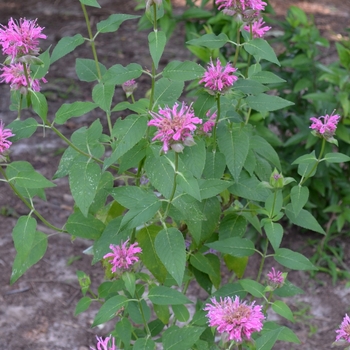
[
  {"x": 218, "y": 103},
  {"x": 238, "y": 42},
  {"x": 262, "y": 261},
  {"x": 30, "y": 206},
  {"x": 174, "y": 186}
]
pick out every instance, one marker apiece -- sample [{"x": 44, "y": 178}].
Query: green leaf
[
  {"x": 283, "y": 309},
  {"x": 170, "y": 247},
  {"x": 30, "y": 246},
  {"x": 202, "y": 263},
  {"x": 183, "y": 71},
  {"x": 194, "y": 158},
  {"x": 75, "y": 109},
  {"x": 252, "y": 287},
  {"x": 129, "y": 132},
  {"x": 167, "y": 91},
  {"x": 39, "y": 104},
  {"x": 84, "y": 177},
  {"x": 232, "y": 225},
  {"x": 109, "y": 309},
  {"x": 40, "y": 70},
  {"x": 102, "y": 95},
  {"x": 260, "y": 49},
  {"x": 112, "y": 23},
  {"x": 336, "y": 157},
  {"x": 124, "y": 329},
  {"x": 146, "y": 238},
  {"x": 212, "y": 187},
  {"x": 235, "y": 246},
  {"x": 175, "y": 338},
  {"x": 306, "y": 159},
  {"x": 181, "y": 313},
  {"x": 132, "y": 158},
  {"x": 162, "y": 295},
  {"x": 263, "y": 148},
  {"x": 264, "y": 77},
  {"x": 293, "y": 260},
  {"x": 31, "y": 179},
  {"x": 234, "y": 144},
  {"x": 87, "y": 71},
  {"x": 118, "y": 74},
  {"x": 65, "y": 46},
  {"x": 22, "y": 128},
  {"x": 215, "y": 165},
  {"x": 160, "y": 173},
  {"x": 267, "y": 103},
  {"x": 131, "y": 196},
  {"x": 92, "y": 3},
  {"x": 274, "y": 233},
  {"x": 344, "y": 55},
  {"x": 250, "y": 87},
  {"x": 144, "y": 344},
  {"x": 156, "y": 42},
  {"x": 304, "y": 219},
  {"x": 82, "y": 305},
  {"x": 84, "y": 226},
  {"x": 210, "y": 41},
  {"x": 267, "y": 340},
  {"x": 299, "y": 196},
  {"x": 188, "y": 184}
]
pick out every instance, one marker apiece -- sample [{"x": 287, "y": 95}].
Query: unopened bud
[
  {"x": 276, "y": 179},
  {"x": 177, "y": 147},
  {"x": 129, "y": 87}
]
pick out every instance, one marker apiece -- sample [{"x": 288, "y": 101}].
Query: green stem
[
  {"x": 174, "y": 185},
  {"x": 19, "y": 107},
  {"x": 238, "y": 42},
  {"x": 262, "y": 261},
  {"x": 143, "y": 315},
  {"x": 30, "y": 206},
  {"x": 218, "y": 104}
]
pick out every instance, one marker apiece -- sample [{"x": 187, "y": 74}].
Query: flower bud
[
  {"x": 129, "y": 87},
  {"x": 276, "y": 179}
]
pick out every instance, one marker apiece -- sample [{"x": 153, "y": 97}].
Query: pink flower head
[
  {"x": 14, "y": 75},
  {"x": 208, "y": 125},
  {"x": 327, "y": 127},
  {"x": 129, "y": 87},
  {"x": 4, "y": 135},
  {"x": 258, "y": 30},
  {"x": 344, "y": 330},
  {"x": 175, "y": 127},
  {"x": 104, "y": 344},
  {"x": 234, "y": 317},
  {"x": 242, "y": 7},
  {"x": 218, "y": 78},
  {"x": 19, "y": 39},
  {"x": 123, "y": 256},
  {"x": 275, "y": 279}
]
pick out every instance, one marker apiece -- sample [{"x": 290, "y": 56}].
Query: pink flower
[
  {"x": 231, "y": 7},
  {"x": 208, "y": 125},
  {"x": 258, "y": 30},
  {"x": 175, "y": 127},
  {"x": 14, "y": 75},
  {"x": 4, "y": 135},
  {"x": 104, "y": 344},
  {"x": 19, "y": 39},
  {"x": 234, "y": 317},
  {"x": 344, "y": 330},
  {"x": 129, "y": 87},
  {"x": 326, "y": 128},
  {"x": 123, "y": 256},
  {"x": 218, "y": 78},
  {"x": 275, "y": 279}
]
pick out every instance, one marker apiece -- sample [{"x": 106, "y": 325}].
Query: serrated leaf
[
  {"x": 201, "y": 263},
  {"x": 124, "y": 330},
  {"x": 167, "y": 91},
  {"x": 156, "y": 42},
  {"x": 30, "y": 246},
  {"x": 252, "y": 287},
  {"x": 39, "y": 104},
  {"x": 336, "y": 157},
  {"x": 267, "y": 340},
  {"x": 260, "y": 49},
  {"x": 274, "y": 233},
  {"x": 144, "y": 344},
  {"x": 31, "y": 179},
  {"x": 162, "y": 295},
  {"x": 234, "y": 144},
  {"x": 102, "y": 95},
  {"x": 181, "y": 313},
  {"x": 293, "y": 260},
  {"x": 188, "y": 184},
  {"x": 175, "y": 338},
  {"x": 283, "y": 310},
  {"x": 212, "y": 187},
  {"x": 171, "y": 250},
  {"x": 92, "y": 3},
  {"x": 109, "y": 309},
  {"x": 65, "y": 46},
  {"x": 210, "y": 41},
  {"x": 250, "y": 87},
  {"x": 194, "y": 158},
  {"x": 75, "y": 109},
  {"x": 264, "y": 77},
  {"x": 232, "y": 225},
  {"x": 304, "y": 219},
  {"x": 118, "y": 74},
  {"x": 112, "y": 23},
  {"x": 263, "y": 148},
  {"x": 183, "y": 71},
  {"x": 267, "y": 103},
  {"x": 235, "y": 246},
  {"x": 22, "y": 128},
  {"x": 215, "y": 165},
  {"x": 87, "y": 71},
  {"x": 299, "y": 196}
]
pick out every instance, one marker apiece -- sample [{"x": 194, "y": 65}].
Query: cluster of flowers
[
  {"x": 20, "y": 42},
  {"x": 247, "y": 11}
]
